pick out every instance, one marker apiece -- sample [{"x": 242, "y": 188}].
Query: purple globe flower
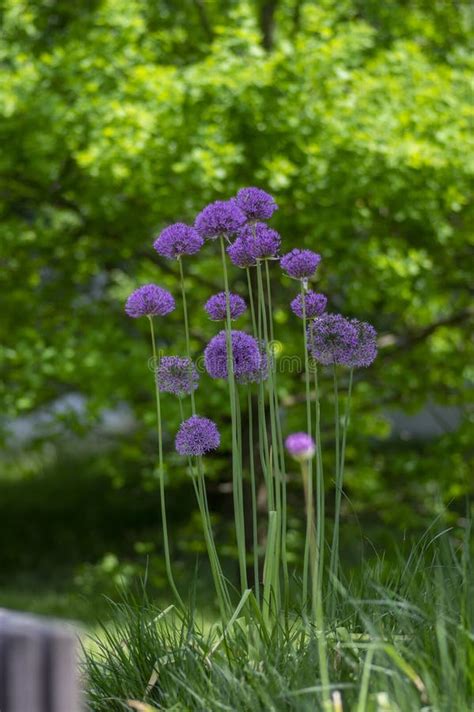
[
  {"x": 196, "y": 436},
  {"x": 260, "y": 374},
  {"x": 300, "y": 264},
  {"x": 177, "y": 375},
  {"x": 365, "y": 350},
  {"x": 256, "y": 203},
  {"x": 240, "y": 255},
  {"x": 314, "y": 304},
  {"x": 247, "y": 358},
  {"x": 178, "y": 239},
  {"x": 332, "y": 339},
  {"x": 260, "y": 240},
  {"x": 223, "y": 217},
  {"x": 216, "y": 306},
  {"x": 301, "y": 446},
  {"x": 149, "y": 300}
]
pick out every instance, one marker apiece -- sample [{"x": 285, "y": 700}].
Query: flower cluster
[
  {"x": 261, "y": 242},
  {"x": 177, "y": 375},
  {"x": 221, "y": 218},
  {"x": 259, "y": 374},
  {"x": 196, "y": 436},
  {"x": 149, "y": 300},
  {"x": 333, "y": 339},
  {"x": 246, "y": 355},
  {"x": 240, "y": 254},
  {"x": 314, "y": 304},
  {"x": 216, "y": 306},
  {"x": 177, "y": 240},
  {"x": 365, "y": 351},
  {"x": 301, "y": 446},
  {"x": 256, "y": 203},
  {"x": 300, "y": 264}
]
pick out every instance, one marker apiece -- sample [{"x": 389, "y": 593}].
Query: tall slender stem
[
  {"x": 333, "y": 564},
  {"x": 340, "y": 479},
  {"x": 318, "y": 608},
  {"x": 320, "y": 514},
  {"x": 166, "y": 547},
  {"x": 253, "y": 486},
  {"x": 275, "y": 467},
  {"x": 309, "y": 493},
  {"x": 186, "y": 325},
  {"x": 201, "y": 497},
  {"x": 237, "y": 479},
  {"x": 281, "y": 452}
]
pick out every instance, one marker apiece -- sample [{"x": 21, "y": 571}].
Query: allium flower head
[
  {"x": 216, "y": 306},
  {"x": 247, "y": 358},
  {"x": 260, "y": 374},
  {"x": 256, "y": 203},
  {"x": 177, "y": 375},
  {"x": 314, "y": 304},
  {"x": 223, "y": 217},
  {"x": 300, "y": 264},
  {"x": 260, "y": 240},
  {"x": 196, "y": 436},
  {"x": 149, "y": 300},
  {"x": 332, "y": 339},
  {"x": 365, "y": 351},
  {"x": 301, "y": 446},
  {"x": 178, "y": 239},
  {"x": 240, "y": 255}
]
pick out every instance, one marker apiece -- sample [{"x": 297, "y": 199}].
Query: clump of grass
[{"x": 398, "y": 641}]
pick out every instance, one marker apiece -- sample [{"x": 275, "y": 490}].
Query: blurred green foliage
[{"x": 120, "y": 116}]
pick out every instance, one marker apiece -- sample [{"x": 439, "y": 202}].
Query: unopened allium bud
[{"x": 301, "y": 446}]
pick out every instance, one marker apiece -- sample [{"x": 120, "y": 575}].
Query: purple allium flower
[
  {"x": 196, "y": 436},
  {"x": 332, "y": 339},
  {"x": 300, "y": 264},
  {"x": 259, "y": 374},
  {"x": 177, "y": 375},
  {"x": 301, "y": 446},
  {"x": 216, "y": 306},
  {"x": 314, "y": 304},
  {"x": 365, "y": 351},
  {"x": 149, "y": 300},
  {"x": 247, "y": 358},
  {"x": 256, "y": 204},
  {"x": 178, "y": 239},
  {"x": 223, "y": 217},
  {"x": 260, "y": 240},
  {"x": 239, "y": 253}
]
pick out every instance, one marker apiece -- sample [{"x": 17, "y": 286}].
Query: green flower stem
[
  {"x": 186, "y": 325},
  {"x": 276, "y": 478},
  {"x": 269, "y": 573},
  {"x": 253, "y": 486},
  {"x": 251, "y": 301},
  {"x": 320, "y": 514},
  {"x": 281, "y": 451},
  {"x": 318, "y": 610},
  {"x": 264, "y": 452},
  {"x": 237, "y": 479},
  {"x": 309, "y": 429},
  {"x": 333, "y": 564},
  {"x": 166, "y": 547},
  {"x": 201, "y": 497},
  {"x": 309, "y": 508},
  {"x": 340, "y": 480}
]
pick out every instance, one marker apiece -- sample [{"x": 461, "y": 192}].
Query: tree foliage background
[{"x": 120, "y": 116}]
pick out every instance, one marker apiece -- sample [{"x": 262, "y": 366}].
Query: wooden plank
[{"x": 38, "y": 665}]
